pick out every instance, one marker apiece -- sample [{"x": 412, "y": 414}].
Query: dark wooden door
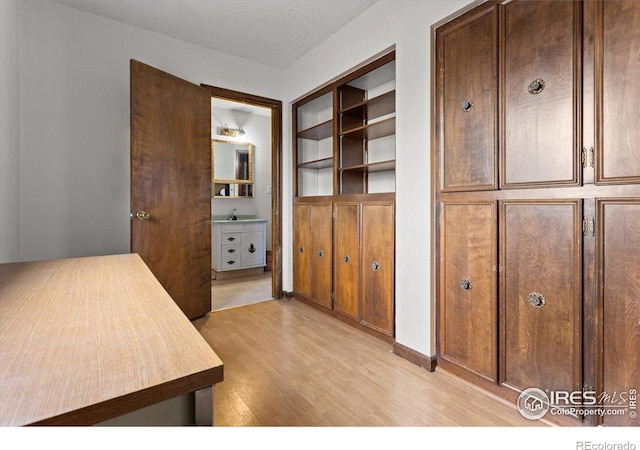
[
  {"x": 619, "y": 272},
  {"x": 617, "y": 90},
  {"x": 469, "y": 292},
  {"x": 469, "y": 90},
  {"x": 321, "y": 253},
  {"x": 347, "y": 258},
  {"x": 302, "y": 249},
  {"x": 171, "y": 182},
  {"x": 541, "y": 92},
  {"x": 541, "y": 294},
  {"x": 378, "y": 266}
]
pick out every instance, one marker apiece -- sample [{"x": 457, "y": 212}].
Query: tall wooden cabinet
[
  {"x": 344, "y": 209},
  {"x": 536, "y": 173}
]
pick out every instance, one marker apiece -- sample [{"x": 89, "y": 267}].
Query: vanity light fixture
[{"x": 226, "y": 131}]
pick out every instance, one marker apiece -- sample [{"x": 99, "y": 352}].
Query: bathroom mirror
[{"x": 232, "y": 164}]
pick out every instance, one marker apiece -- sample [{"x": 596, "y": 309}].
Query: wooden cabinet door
[
  {"x": 321, "y": 253},
  {"x": 617, "y": 43},
  {"x": 346, "y": 224},
  {"x": 541, "y": 294},
  {"x": 468, "y": 298},
  {"x": 302, "y": 249},
  {"x": 378, "y": 266},
  {"x": 468, "y": 59},
  {"x": 541, "y": 91},
  {"x": 619, "y": 285}
]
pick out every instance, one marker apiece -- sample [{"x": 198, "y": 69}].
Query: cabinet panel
[
  {"x": 347, "y": 259},
  {"x": 468, "y": 306},
  {"x": 302, "y": 249},
  {"x": 470, "y": 103},
  {"x": 321, "y": 253},
  {"x": 541, "y": 88},
  {"x": 541, "y": 294},
  {"x": 620, "y": 287},
  {"x": 378, "y": 272},
  {"x": 252, "y": 248},
  {"x": 617, "y": 90}
]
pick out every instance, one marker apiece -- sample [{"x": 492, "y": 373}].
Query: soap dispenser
[{"x": 234, "y": 216}]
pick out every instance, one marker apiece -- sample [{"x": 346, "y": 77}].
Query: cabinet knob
[
  {"x": 231, "y": 250},
  {"x": 536, "y": 300},
  {"x": 375, "y": 266},
  {"x": 252, "y": 248},
  {"x": 231, "y": 262},
  {"x": 346, "y": 258},
  {"x": 301, "y": 249},
  {"x": 465, "y": 284},
  {"x": 536, "y": 86},
  {"x": 467, "y": 105},
  {"x": 231, "y": 239},
  {"x": 320, "y": 254}
]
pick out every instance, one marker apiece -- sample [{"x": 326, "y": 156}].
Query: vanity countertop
[{"x": 238, "y": 221}]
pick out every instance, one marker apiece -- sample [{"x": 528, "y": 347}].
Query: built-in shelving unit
[
  {"x": 344, "y": 152},
  {"x": 345, "y": 134}
]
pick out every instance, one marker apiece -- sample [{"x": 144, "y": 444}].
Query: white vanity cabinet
[{"x": 238, "y": 244}]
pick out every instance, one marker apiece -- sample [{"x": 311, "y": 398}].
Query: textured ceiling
[{"x": 273, "y": 32}]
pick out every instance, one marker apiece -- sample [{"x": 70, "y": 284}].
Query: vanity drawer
[
  {"x": 232, "y": 227},
  {"x": 231, "y": 238},
  {"x": 230, "y": 250},
  {"x": 230, "y": 262},
  {"x": 252, "y": 227}
]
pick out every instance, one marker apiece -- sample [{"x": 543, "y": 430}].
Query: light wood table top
[{"x": 83, "y": 340}]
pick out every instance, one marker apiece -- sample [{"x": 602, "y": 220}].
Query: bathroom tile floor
[{"x": 235, "y": 292}]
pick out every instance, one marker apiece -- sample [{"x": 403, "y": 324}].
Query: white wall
[
  {"x": 74, "y": 121},
  {"x": 258, "y": 132},
  {"x": 9, "y": 131},
  {"x": 407, "y": 25}
]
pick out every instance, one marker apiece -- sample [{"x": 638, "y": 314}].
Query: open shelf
[
  {"x": 381, "y": 166},
  {"x": 372, "y": 131},
  {"x": 376, "y": 107},
  {"x": 318, "y": 132},
  {"x": 323, "y": 163},
  {"x": 344, "y": 140}
]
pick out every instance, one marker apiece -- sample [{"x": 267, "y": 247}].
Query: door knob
[{"x": 142, "y": 215}]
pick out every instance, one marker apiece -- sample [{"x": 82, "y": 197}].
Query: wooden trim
[
  {"x": 276, "y": 172},
  {"x": 417, "y": 358},
  {"x": 340, "y": 79},
  {"x": 342, "y": 317},
  {"x": 457, "y": 14},
  {"x": 363, "y": 198},
  {"x": 588, "y": 191}
]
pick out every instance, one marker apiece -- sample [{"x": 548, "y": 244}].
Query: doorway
[{"x": 264, "y": 201}]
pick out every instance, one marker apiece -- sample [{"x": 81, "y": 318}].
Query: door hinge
[
  {"x": 588, "y": 226},
  {"x": 333, "y": 296}
]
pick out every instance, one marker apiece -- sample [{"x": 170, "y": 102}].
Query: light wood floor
[
  {"x": 234, "y": 292},
  {"x": 286, "y": 364}
]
